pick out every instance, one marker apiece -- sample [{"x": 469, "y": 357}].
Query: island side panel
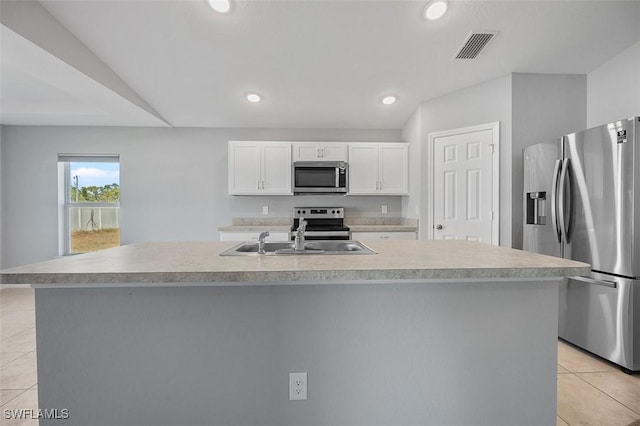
[{"x": 432, "y": 353}]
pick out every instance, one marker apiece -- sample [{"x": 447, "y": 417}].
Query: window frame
[{"x": 66, "y": 204}]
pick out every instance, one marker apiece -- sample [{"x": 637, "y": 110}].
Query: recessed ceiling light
[
  {"x": 221, "y": 6},
  {"x": 435, "y": 9},
  {"x": 254, "y": 97},
  {"x": 388, "y": 100}
]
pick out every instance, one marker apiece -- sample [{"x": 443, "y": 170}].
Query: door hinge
[{"x": 493, "y": 148}]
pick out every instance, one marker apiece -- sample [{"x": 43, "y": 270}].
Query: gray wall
[
  {"x": 613, "y": 89},
  {"x": 544, "y": 107},
  {"x": 421, "y": 353},
  {"x": 2, "y": 192},
  {"x": 174, "y": 182},
  {"x": 484, "y": 103}
]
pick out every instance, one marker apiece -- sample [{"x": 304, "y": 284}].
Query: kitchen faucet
[
  {"x": 261, "y": 238},
  {"x": 299, "y": 241}
]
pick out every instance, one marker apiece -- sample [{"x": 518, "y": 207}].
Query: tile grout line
[
  {"x": 7, "y": 402},
  {"x": 14, "y": 335},
  {"x": 600, "y": 390},
  {"x": 20, "y": 357},
  {"x": 557, "y": 396},
  {"x": 557, "y": 415},
  {"x": 20, "y": 332}
]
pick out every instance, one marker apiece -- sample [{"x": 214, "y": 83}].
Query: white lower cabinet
[
  {"x": 370, "y": 236},
  {"x": 249, "y": 236}
]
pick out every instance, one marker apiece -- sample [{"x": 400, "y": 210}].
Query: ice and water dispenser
[{"x": 536, "y": 208}]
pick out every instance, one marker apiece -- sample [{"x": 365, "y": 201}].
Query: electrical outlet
[
  {"x": 384, "y": 209},
  {"x": 265, "y": 209},
  {"x": 298, "y": 386}
]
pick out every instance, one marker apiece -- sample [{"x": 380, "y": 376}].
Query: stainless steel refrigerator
[{"x": 582, "y": 202}]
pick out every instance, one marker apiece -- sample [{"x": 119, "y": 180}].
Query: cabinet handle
[
  {"x": 318, "y": 152},
  {"x": 258, "y": 185},
  {"x": 384, "y": 237},
  {"x": 263, "y": 185},
  {"x": 321, "y": 152},
  {"x": 380, "y": 185}
]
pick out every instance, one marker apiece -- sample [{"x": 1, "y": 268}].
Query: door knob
[{"x": 439, "y": 227}]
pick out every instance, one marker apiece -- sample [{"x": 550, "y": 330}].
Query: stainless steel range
[{"x": 323, "y": 223}]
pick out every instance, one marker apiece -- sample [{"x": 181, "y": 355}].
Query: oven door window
[{"x": 315, "y": 177}]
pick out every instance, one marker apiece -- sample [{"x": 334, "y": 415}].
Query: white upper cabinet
[
  {"x": 319, "y": 151},
  {"x": 363, "y": 168},
  {"x": 378, "y": 169},
  {"x": 394, "y": 168},
  {"x": 259, "y": 168}
]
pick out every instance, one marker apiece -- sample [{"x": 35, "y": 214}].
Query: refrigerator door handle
[
  {"x": 605, "y": 283},
  {"x": 554, "y": 201},
  {"x": 564, "y": 226}
]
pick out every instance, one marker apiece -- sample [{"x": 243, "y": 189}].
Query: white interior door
[{"x": 465, "y": 185}]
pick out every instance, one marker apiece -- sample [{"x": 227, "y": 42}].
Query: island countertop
[{"x": 199, "y": 262}]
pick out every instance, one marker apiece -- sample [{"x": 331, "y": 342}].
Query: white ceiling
[{"x": 318, "y": 64}]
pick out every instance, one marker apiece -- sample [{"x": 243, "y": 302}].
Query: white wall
[
  {"x": 174, "y": 182},
  {"x": 530, "y": 108},
  {"x": 485, "y": 103},
  {"x": 411, "y": 133},
  {"x": 544, "y": 107},
  {"x": 613, "y": 89}
]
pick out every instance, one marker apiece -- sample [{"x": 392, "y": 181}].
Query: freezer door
[
  {"x": 598, "y": 198},
  {"x": 541, "y": 164},
  {"x": 602, "y": 315}
]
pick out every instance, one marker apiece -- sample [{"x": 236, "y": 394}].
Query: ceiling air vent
[{"x": 474, "y": 43}]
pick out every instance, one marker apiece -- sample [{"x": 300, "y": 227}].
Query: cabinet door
[
  {"x": 306, "y": 152},
  {"x": 276, "y": 168},
  {"x": 333, "y": 151},
  {"x": 326, "y": 151},
  {"x": 244, "y": 168},
  {"x": 393, "y": 169},
  {"x": 363, "y": 168}
]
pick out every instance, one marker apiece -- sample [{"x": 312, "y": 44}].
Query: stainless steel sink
[
  {"x": 269, "y": 247},
  {"x": 310, "y": 247}
]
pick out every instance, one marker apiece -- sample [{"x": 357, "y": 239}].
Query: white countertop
[{"x": 199, "y": 262}]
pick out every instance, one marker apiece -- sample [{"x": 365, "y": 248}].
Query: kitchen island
[{"x": 424, "y": 332}]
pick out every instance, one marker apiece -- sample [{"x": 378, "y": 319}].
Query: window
[{"x": 89, "y": 202}]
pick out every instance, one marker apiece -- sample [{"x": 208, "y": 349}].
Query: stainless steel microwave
[{"x": 320, "y": 177}]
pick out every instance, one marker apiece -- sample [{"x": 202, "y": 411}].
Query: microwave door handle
[
  {"x": 337, "y": 177},
  {"x": 554, "y": 201}
]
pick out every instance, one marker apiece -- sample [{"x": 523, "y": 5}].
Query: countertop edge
[{"x": 281, "y": 277}]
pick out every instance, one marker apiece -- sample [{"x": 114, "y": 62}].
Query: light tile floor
[
  {"x": 18, "y": 380},
  {"x": 590, "y": 391}
]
